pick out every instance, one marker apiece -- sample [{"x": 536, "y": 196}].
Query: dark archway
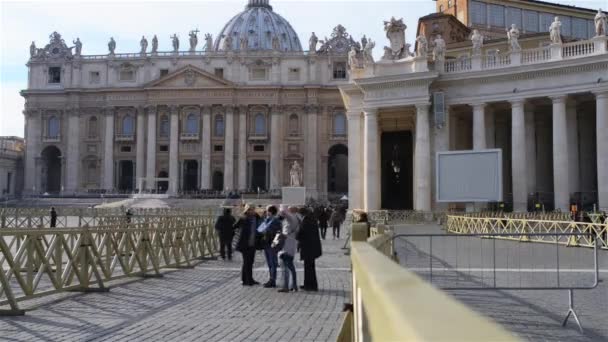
[
  {"x": 218, "y": 181},
  {"x": 126, "y": 175},
  {"x": 258, "y": 177},
  {"x": 190, "y": 175},
  {"x": 397, "y": 170},
  {"x": 337, "y": 169},
  {"x": 162, "y": 186},
  {"x": 51, "y": 170}
]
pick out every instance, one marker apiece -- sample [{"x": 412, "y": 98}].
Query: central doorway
[
  {"x": 51, "y": 172},
  {"x": 258, "y": 175},
  {"x": 125, "y": 175},
  {"x": 397, "y": 160},
  {"x": 190, "y": 175}
]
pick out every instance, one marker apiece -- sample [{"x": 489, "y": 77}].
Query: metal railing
[
  {"x": 387, "y": 301},
  {"x": 38, "y": 262}
]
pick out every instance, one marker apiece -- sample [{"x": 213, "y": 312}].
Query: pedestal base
[{"x": 294, "y": 195}]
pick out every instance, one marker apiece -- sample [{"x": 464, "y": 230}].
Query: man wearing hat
[{"x": 248, "y": 224}]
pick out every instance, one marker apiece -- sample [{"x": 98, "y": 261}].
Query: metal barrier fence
[
  {"x": 588, "y": 233},
  {"x": 38, "y": 262},
  {"x": 478, "y": 262}
]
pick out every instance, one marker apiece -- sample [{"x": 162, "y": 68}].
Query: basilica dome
[{"x": 258, "y": 28}]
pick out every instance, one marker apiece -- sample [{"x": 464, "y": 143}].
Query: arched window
[
  {"x": 191, "y": 124},
  {"x": 293, "y": 124},
  {"x": 128, "y": 125},
  {"x": 164, "y": 126},
  {"x": 218, "y": 130},
  {"x": 92, "y": 172},
  {"x": 260, "y": 124},
  {"x": 93, "y": 127},
  {"x": 339, "y": 124},
  {"x": 53, "y": 128}
]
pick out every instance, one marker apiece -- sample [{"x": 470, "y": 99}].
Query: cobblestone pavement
[
  {"x": 532, "y": 315},
  {"x": 206, "y": 303}
]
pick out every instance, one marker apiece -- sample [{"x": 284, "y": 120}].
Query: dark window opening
[
  {"x": 258, "y": 148},
  {"x": 218, "y": 148},
  {"x": 219, "y": 72},
  {"x": 164, "y": 72},
  {"x": 125, "y": 148},
  {"x": 163, "y": 148},
  {"x": 54, "y": 75}
]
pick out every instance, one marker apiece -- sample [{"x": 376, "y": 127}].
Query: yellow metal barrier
[
  {"x": 498, "y": 225},
  {"x": 392, "y": 304},
  {"x": 37, "y": 262}
]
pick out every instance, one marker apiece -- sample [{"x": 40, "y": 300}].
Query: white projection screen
[{"x": 469, "y": 176}]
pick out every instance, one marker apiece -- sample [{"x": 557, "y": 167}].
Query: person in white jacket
[{"x": 291, "y": 224}]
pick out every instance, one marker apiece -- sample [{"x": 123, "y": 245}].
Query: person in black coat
[
  {"x": 53, "y": 217},
  {"x": 248, "y": 225},
  {"x": 323, "y": 218},
  {"x": 225, "y": 230},
  {"x": 309, "y": 245}
]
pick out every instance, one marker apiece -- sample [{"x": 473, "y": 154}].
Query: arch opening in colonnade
[
  {"x": 337, "y": 169},
  {"x": 397, "y": 162},
  {"x": 51, "y": 169}
]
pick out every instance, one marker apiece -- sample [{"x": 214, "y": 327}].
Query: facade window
[
  {"x": 258, "y": 74},
  {"x": 293, "y": 74},
  {"x": 579, "y": 28},
  {"x": 164, "y": 126},
  {"x": 126, "y": 74},
  {"x": 497, "y": 16},
  {"x": 91, "y": 172},
  {"x": 545, "y": 21},
  {"x": 478, "y": 13},
  {"x": 53, "y": 128},
  {"x": 128, "y": 125},
  {"x": 566, "y": 26},
  {"x": 218, "y": 128},
  {"x": 94, "y": 77},
  {"x": 191, "y": 124},
  {"x": 164, "y": 72},
  {"x": 218, "y": 148},
  {"x": 339, "y": 70},
  {"x": 55, "y": 75},
  {"x": 163, "y": 148},
  {"x": 219, "y": 72},
  {"x": 531, "y": 21},
  {"x": 260, "y": 124},
  {"x": 258, "y": 148},
  {"x": 514, "y": 17},
  {"x": 293, "y": 125},
  {"x": 93, "y": 127},
  {"x": 125, "y": 148},
  {"x": 339, "y": 124}
]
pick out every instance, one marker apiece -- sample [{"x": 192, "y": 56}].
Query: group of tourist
[{"x": 280, "y": 232}]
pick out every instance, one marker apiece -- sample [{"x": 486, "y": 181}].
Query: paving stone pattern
[{"x": 207, "y": 303}]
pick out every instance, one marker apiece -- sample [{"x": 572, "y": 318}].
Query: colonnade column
[
  {"x": 275, "y": 148},
  {"x": 151, "y": 153},
  {"x": 312, "y": 154},
  {"x": 206, "y": 146},
  {"x": 355, "y": 161},
  {"x": 601, "y": 102},
  {"x": 519, "y": 172},
  {"x": 371, "y": 160},
  {"x": 422, "y": 160},
  {"x": 108, "y": 151},
  {"x": 33, "y": 132},
  {"x": 173, "y": 151},
  {"x": 242, "y": 169},
  {"x": 479, "y": 126},
  {"x": 561, "y": 188},
  {"x": 140, "y": 148},
  {"x": 73, "y": 151},
  {"x": 530, "y": 148},
  {"x": 229, "y": 149}
]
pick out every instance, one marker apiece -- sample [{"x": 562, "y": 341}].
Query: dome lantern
[{"x": 259, "y": 3}]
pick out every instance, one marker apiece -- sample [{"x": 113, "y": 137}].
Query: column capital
[
  {"x": 151, "y": 109},
  {"x": 275, "y": 109},
  {"x": 370, "y": 111},
  {"x": 312, "y": 109},
  {"x": 109, "y": 110},
  {"x": 422, "y": 106},
  {"x": 228, "y": 108},
  {"x": 243, "y": 109},
  {"x": 174, "y": 109},
  {"x": 601, "y": 94},
  {"x": 206, "y": 110},
  {"x": 478, "y": 104},
  {"x": 517, "y": 102},
  {"x": 559, "y": 98}
]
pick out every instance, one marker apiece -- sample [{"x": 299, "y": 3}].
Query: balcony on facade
[
  {"x": 124, "y": 137},
  {"x": 51, "y": 138},
  {"x": 258, "y": 137},
  {"x": 189, "y": 136}
]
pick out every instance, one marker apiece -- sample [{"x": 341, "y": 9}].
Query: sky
[{"x": 94, "y": 22}]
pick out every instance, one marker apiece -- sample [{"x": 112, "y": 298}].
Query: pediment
[{"x": 190, "y": 77}]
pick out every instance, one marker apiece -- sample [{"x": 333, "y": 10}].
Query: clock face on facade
[{"x": 55, "y": 51}]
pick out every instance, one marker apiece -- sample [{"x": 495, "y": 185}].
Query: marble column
[
  {"x": 561, "y": 187},
  {"x": 229, "y": 148},
  {"x": 422, "y": 160},
  {"x": 518, "y": 156},
  {"x": 151, "y": 153},
  {"x": 573, "y": 156},
  {"x": 73, "y": 151},
  {"x": 108, "y": 151},
  {"x": 371, "y": 143},
  {"x": 355, "y": 161},
  {"x": 206, "y": 149},
  {"x": 530, "y": 148},
  {"x": 601, "y": 102},
  {"x": 173, "y": 151},
  {"x": 311, "y": 156},
  {"x": 140, "y": 155},
  {"x": 242, "y": 169},
  {"x": 275, "y": 148},
  {"x": 479, "y": 126},
  {"x": 33, "y": 134}
]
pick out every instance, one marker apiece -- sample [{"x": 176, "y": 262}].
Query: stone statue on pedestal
[
  {"x": 395, "y": 32},
  {"x": 193, "y": 40},
  {"x": 33, "y": 50},
  {"x": 144, "y": 45},
  {"x": 477, "y": 41},
  {"x": 208, "y": 42},
  {"x": 513, "y": 36},
  {"x": 77, "y": 46},
  {"x": 228, "y": 43},
  {"x": 600, "y": 23},
  {"x": 112, "y": 45},
  {"x": 439, "y": 48},
  {"x": 353, "y": 62},
  {"x": 276, "y": 44},
  {"x": 312, "y": 43},
  {"x": 295, "y": 174},
  {"x": 423, "y": 46},
  {"x": 175, "y": 42},
  {"x": 555, "y": 31},
  {"x": 154, "y": 44},
  {"x": 244, "y": 43},
  {"x": 368, "y": 57}
]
